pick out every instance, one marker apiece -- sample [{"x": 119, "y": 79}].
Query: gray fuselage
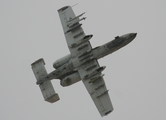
[{"x": 69, "y": 69}]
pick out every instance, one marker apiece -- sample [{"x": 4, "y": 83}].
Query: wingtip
[{"x": 63, "y": 8}]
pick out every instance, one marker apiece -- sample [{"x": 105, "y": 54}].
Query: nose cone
[
  {"x": 129, "y": 37},
  {"x": 133, "y": 35}
]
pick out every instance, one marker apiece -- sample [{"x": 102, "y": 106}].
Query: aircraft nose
[
  {"x": 133, "y": 35},
  {"x": 129, "y": 37}
]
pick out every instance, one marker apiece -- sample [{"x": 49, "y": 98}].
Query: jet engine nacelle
[
  {"x": 58, "y": 63},
  {"x": 70, "y": 79}
]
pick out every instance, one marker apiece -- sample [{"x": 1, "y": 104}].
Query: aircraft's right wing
[{"x": 92, "y": 78}]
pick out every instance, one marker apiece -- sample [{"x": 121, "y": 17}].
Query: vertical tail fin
[{"x": 45, "y": 87}]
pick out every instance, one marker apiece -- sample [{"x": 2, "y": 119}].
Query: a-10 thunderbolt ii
[{"x": 80, "y": 64}]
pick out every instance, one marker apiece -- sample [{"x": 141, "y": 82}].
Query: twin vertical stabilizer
[{"x": 45, "y": 87}]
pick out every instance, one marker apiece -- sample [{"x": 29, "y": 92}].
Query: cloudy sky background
[{"x": 135, "y": 75}]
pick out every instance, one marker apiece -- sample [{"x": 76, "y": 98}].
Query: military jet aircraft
[{"x": 80, "y": 64}]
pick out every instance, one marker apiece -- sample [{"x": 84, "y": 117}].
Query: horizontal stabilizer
[{"x": 45, "y": 87}]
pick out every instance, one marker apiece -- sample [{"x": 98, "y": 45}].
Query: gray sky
[{"x": 135, "y": 75}]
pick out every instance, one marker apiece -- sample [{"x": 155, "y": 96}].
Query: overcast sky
[{"x": 135, "y": 75}]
